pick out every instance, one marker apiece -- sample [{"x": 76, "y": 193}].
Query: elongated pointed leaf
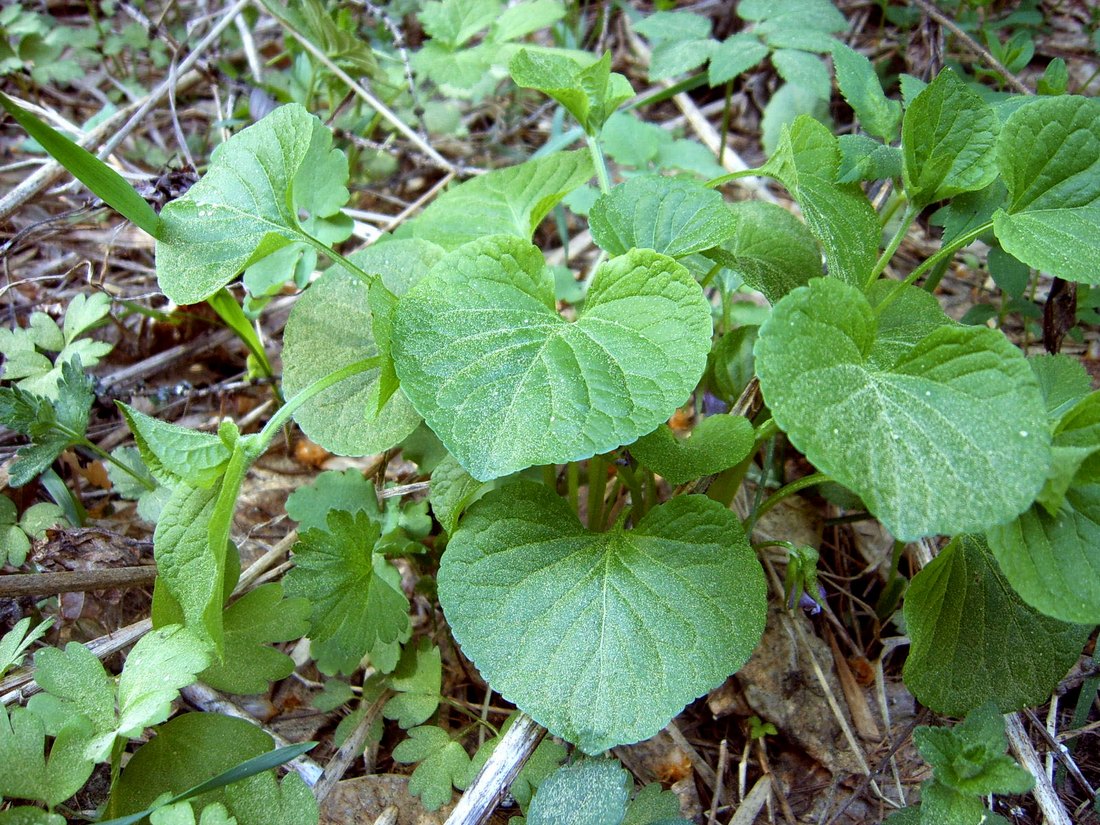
[
  {"x": 859, "y": 84},
  {"x": 173, "y": 453},
  {"x": 601, "y": 637},
  {"x": 1049, "y": 156},
  {"x": 941, "y": 433},
  {"x": 246, "y": 206},
  {"x": 507, "y": 383}
]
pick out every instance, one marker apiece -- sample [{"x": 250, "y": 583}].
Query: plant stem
[
  {"x": 333, "y": 255},
  {"x": 782, "y": 493},
  {"x": 550, "y": 476},
  {"x": 945, "y": 252},
  {"x": 81, "y": 441},
  {"x": 597, "y": 485},
  {"x": 572, "y": 483},
  {"x": 907, "y": 219},
  {"x": 714, "y": 183},
  {"x": 599, "y": 162},
  {"x": 320, "y": 385}
]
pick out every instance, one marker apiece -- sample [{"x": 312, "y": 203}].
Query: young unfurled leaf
[
  {"x": 159, "y": 665},
  {"x": 356, "y": 594},
  {"x": 939, "y": 429},
  {"x": 716, "y": 443},
  {"x": 970, "y": 757},
  {"x": 246, "y": 205},
  {"x": 443, "y": 763},
  {"x": 947, "y": 138},
  {"x": 35, "y": 372},
  {"x": 507, "y": 383},
  {"x": 840, "y": 216},
  {"x": 512, "y": 200},
  {"x": 52, "y": 426},
  {"x": 14, "y": 643},
  {"x": 673, "y": 216},
  {"x": 1047, "y": 153},
  {"x": 27, "y": 773},
  {"x": 451, "y": 491},
  {"x": 253, "y": 621},
  {"x": 344, "y": 419},
  {"x": 975, "y": 641},
  {"x": 769, "y": 248},
  {"x": 590, "y": 93},
  {"x": 858, "y": 82},
  {"x": 416, "y": 681},
  {"x": 596, "y": 787},
  {"x": 563, "y": 621},
  {"x": 176, "y": 454}
]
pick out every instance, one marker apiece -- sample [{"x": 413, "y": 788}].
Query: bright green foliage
[
  {"x": 775, "y": 16},
  {"x": 253, "y": 621},
  {"x": 452, "y": 490},
  {"x": 161, "y": 663},
  {"x": 16, "y": 533},
  {"x": 647, "y": 147},
  {"x": 14, "y": 643},
  {"x": 839, "y": 215},
  {"x": 975, "y": 641},
  {"x": 27, "y": 773},
  {"x": 589, "y": 92},
  {"x": 25, "y": 361},
  {"x": 513, "y": 200},
  {"x": 183, "y": 814},
  {"x": 675, "y": 217},
  {"x": 246, "y": 206},
  {"x": 601, "y": 637},
  {"x": 53, "y": 425},
  {"x": 681, "y": 41},
  {"x": 947, "y": 138},
  {"x": 717, "y": 443},
  {"x": 344, "y": 418},
  {"x": 1049, "y": 156},
  {"x": 588, "y": 792},
  {"x": 732, "y": 363},
  {"x": 150, "y": 496},
  {"x": 804, "y": 70},
  {"x": 1063, "y": 382},
  {"x": 878, "y": 115},
  {"x": 968, "y": 762},
  {"x": 863, "y": 158},
  {"x": 355, "y": 593},
  {"x": 769, "y": 248},
  {"x": 465, "y": 69},
  {"x": 443, "y": 763},
  {"x": 734, "y": 56},
  {"x": 941, "y": 432},
  {"x": 349, "y": 491},
  {"x": 1051, "y": 552},
  {"x": 417, "y": 682},
  {"x": 28, "y": 815},
  {"x": 530, "y": 388},
  {"x": 175, "y": 454},
  {"x": 543, "y": 762}
]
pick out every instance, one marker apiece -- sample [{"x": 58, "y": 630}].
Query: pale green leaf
[
  {"x": 245, "y": 206},
  {"x": 681, "y": 41},
  {"x": 806, "y": 162},
  {"x": 29, "y": 815},
  {"x": 14, "y": 643},
  {"x": 588, "y": 792},
  {"x": 443, "y": 762},
  {"x": 601, "y": 637},
  {"x": 76, "y": 678},
  {"x": 513, "y": 200},
  {"x": 451, "y": 491},
  {"x": 777, "y": 15},
  {"x": 507, "y": 383},
  {"x": 943, "y": 436},
  {"x": 417, "y": 681},
  {"x": 85, "y": 311},
  {"x": 176, "y": 454},
  {"x": 26, "y": 772},
  {"x": 356, "y": 597},
  {"x": 973, "y": 639},
  {"x": 671, "y": 26},
  {"x": 183, "y": 814},
  {"x": 859, "y": 83},
  {"x": 455, "y": 21},
  {"x": 717, "y": 443},
  {"x": 589, "y": 92},
  {"x": 350, "y": 491},
  {"x": 1049, "y": 156},
  {"x": 524, "y": 18},
  {"x": 863, "y": 158},
  {"x": 677, "y": 57},
  {"x": 673, "y": 216},
  {"x": 947, "y": 139},
  {"x": 805, "y": 70},
  {"x": 251, "y": 623},
  {"x": 318, "y": 341},
  {"x": 734, "y": 56},
  {"x": 770, "y": 249}
]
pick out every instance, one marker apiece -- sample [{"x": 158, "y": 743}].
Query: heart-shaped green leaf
[
  {"x": 601, "y": 637},
  {"x": 975, "y": 641},
  {"x": 1049, "y": 156},
  {"x": 941, "y": 434},
  {"x": 673, "y": 216},
  {"x": 246, "y": 205},
  {"x": 947, "y": 138},
  {"x": 507, "y": 383},
  {"x": 719, "y": 442}
]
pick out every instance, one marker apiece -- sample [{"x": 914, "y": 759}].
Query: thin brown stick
[{"x": 76, "y": 581}]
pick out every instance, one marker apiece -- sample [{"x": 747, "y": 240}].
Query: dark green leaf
[{"x": 443, "y": 762}]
